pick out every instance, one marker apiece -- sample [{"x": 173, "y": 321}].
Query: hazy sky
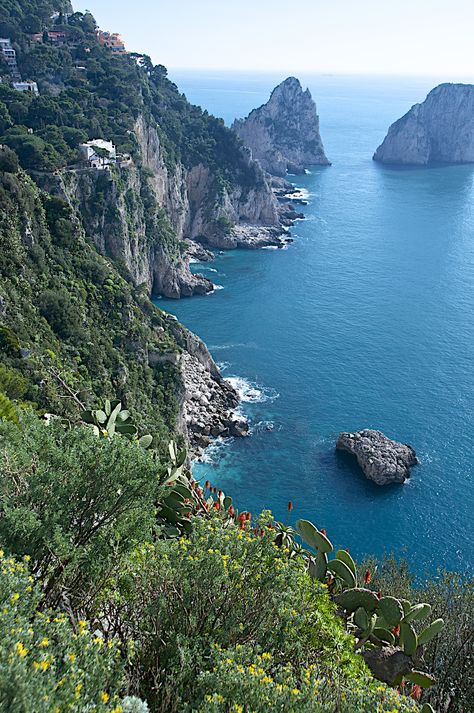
[{"x": 421, "y": 37}]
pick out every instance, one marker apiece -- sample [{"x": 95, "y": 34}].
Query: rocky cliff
[
  {"x": 440, "y": 130},
  {"x": 141, "y": 213},
  {"x": 283, "y": 135}
]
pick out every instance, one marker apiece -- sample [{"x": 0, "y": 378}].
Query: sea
[{"x": 365, "y": 321}]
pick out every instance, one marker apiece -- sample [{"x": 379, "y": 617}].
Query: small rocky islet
[{"x": 382, "y": 460}]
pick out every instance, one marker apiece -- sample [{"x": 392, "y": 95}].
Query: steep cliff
[
  {"x": 181, "y": 173},
  {"x": 440, "y": 130},
  {"x": 284, "y": 133},
  {"x": 73, "y": 330}
]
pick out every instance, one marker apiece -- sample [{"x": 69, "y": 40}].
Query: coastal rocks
[
  {"x": 283, "y": 135},
  {"x": 440, "y": 130},
  {"x": 209, "y": 406},
  {"x": 384, "y": 461},
  {"x": 208, "y": 401},
  {"x": 196, "y": 251},
  {"x": 248, "y": 236},
  {"x": 198, "y": 209}
]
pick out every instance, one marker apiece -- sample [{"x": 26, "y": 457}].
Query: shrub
[
  {"x": 242, "y": 679},
  {"x": 46, "y": 665},
  {"x": 8, "y": 161},
  {"x": 223, "y": 587},
  {"x": 450, "y": 656},
  {"x": 74, "y": 503}
]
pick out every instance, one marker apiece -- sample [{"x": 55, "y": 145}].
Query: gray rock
[
  {"x": 382, "y": 460},
  {"x": 283, "y": 135},
  {"x": 239, "y": 428},
  {"x": 440, "y": 130},
  {"x": 387, "y": 663}
]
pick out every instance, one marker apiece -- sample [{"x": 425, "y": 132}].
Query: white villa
[
  {"x": 26, "y": 87},
  {"x": 98, "y": 153}
]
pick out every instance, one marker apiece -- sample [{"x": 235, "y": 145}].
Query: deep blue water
[{"x": 365, "y": 321}]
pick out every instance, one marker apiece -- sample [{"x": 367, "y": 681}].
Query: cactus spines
[
  {"x": 317, "y": 566},
  {"x": 417, "y": 612},
  {"x": 391, "y": 609},
  {"x": 352, "y": 599},
  {"x": 341, "y": 570},
  {"x": 313, "y": 537},
  {"x": 408, "y": 638},
  {"x": 420, "y": 678},
  {"x": 431, "y": 631},
  {"x": 345, "y": 557}
]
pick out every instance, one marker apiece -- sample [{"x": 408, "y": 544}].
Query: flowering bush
[
  {"x": 46, "y": 666},
  {"x": 242, "y": 680},
  {"x": 197, "y": 607}
]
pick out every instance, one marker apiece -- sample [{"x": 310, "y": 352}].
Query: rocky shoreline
[{"x": 209, "y": 403}]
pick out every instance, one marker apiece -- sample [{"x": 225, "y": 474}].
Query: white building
[
  {"x": 26, "y": 87},
  {"x": 9, "y": 56},
  {"x": 98, "y": 153}
]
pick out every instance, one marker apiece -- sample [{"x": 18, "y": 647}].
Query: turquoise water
[{"x": 365, "y": 321}]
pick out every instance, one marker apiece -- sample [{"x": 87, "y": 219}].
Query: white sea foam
[
  {"x": 270, "y": 247},
  {"x": 299, "y": 194},
  {"x": 262, "y": 426},
  {"x": 223, "y": 365},
  {"x": 193, "y": 261},
  {"x": 250, "y": 391}
]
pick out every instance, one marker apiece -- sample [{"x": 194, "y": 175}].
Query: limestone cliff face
[
  {"x": 441, "y": 129},
  {"x": 118, "y": 211},
  {"x": 198, "y": 206},
  {"x": 283, "y": 135},
  {"x": 140, "y": 213}
]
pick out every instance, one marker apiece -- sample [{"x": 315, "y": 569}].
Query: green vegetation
[
  {"x": 69, "y": 322},
  {"x": 125, "y": 586},
  {"x": 104, "y": 100},
  {"x": 220, "y": 618}
]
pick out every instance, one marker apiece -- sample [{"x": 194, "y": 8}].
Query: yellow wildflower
[
  {"x": 78, "y": 690},
  {"x": 15, "y": 596},
  {"x": 44, "y": 642},
  {"x": 82, "y": 625},
  {"x": 72, "y": 657},
  {"x": 295, "y": 692},
  {"x": 20, "y": 649},
  {"x": 45, "y": 665},
  {"x": 104, "y": 696}
]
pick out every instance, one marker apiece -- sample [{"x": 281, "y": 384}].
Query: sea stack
[
  {"x": 384, "y": 461},
  {"x": 440, "y": 130},
  {"x": 283, "y": 134}
]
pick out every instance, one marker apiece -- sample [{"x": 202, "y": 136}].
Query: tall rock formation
[
  {"x": 440, "y": 130},
  {"x": 283, "y": 134}
]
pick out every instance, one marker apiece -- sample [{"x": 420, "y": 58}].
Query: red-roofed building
[{"x": 112, "y": 40}]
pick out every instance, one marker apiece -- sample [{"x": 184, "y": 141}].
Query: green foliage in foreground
[
  {"x": 77, "y": 505},
  {"x": 183, "y": 610},
  {"x": 46, "y": 663},
  {"x": 450, "y": 656}
]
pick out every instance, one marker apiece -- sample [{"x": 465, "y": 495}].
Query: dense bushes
[
  {"x": 46, "y": 663},
  {"x": 73, "y": 503},
  {"x": 225, "y": 611},
  {"x": 225, "y": 618},
  {"x": 450, "y": 657}
]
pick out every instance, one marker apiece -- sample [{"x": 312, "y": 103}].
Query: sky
[{"x": 401, "y": 37}]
